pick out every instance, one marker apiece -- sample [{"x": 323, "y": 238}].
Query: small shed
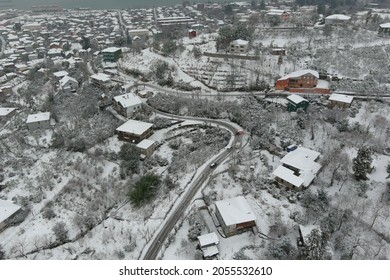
[
  {"x": 384, "y": 28},
  {"x": 6, "y": 112},
  {"x": 147, "y": 147},
  {"x": 340, "y": 100},
  {"x": 295, "y": 102},
  {"x": 38, "y": 121}
]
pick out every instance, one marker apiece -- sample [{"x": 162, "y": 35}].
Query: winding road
[{"x": 153, "y": 248}]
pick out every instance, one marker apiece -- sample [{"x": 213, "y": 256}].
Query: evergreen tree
[
  {"x": 315, "y": 247},
  {"x": 262, "y": 5},
  {"x": 362, "y": 163},
  {"x": 388, "y": 170}
]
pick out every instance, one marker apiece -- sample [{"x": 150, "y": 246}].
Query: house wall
[
  {"x": 283, "y": 183},
  {"x": 134, "y": 138},
  {"x": 149, "y": 151},
  {"x": 339, "y": 104},
  {"x": 112, "y": 56},
  {"x": 39, "y": 125},
  {"x": 238, "y": 48}
]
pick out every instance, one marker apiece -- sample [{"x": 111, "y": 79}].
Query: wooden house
[
  {"x": 298, "y": 79},
  {"x": 296, "y": 102}
]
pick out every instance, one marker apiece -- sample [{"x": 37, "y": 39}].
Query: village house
[
  {"x": 384, "y": 28},
  {"x": 127, "y": 104},
  {"x": 8, "y": 211},
  {"x": 298, "y": 169},
  {"x": 208, "y": 245},
  {"x": 100, "y": 79},
  {"x": 60, "y": 74},
  {"x": 146, "y": 147},
  {"x": 111, "y": 54},
  {"x": 234, "y": 215},
  {"x": 337, "y": 19},
  {"x": 296, "y": 102},
  {"x": 6, "y": 89},
  {"x": 282, "y": 14},
  {"x": 302, "y": 81},
  {"x": 38, "y": 121},
  {"x": 298, "y": 79},
  {"x": 134, "y": 131},
  {"x": 340, "y": 100},
  {"x": 238, "y": 46},
  {"x": 6, "y": 113},
  {"x": 68, "y": 84}
]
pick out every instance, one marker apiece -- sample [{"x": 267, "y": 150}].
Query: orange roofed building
[{"x": 302, "y": 81}]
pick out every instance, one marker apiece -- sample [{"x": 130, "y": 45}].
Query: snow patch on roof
[
  {"x": 135, "y": 127},
  {"x": 235, "y": 211}
]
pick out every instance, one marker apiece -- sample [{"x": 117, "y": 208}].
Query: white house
[
  {"x": 127, "y": 104},
  {"x": 38, "y": 121},
  {"x": 100, "y": 79},
  {"x": 238, "y": 46},
  {"x": 340, "y": 100},
  {"x": 298, "y": 168},
  {"x": 234, "y": 215},
  {"x": 337, "y": 19},
  {"x": 69, "y": 84},
  {"x": 8, "y": 210}
]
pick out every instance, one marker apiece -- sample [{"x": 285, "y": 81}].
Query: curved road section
[{"x": 172, "y": 218}]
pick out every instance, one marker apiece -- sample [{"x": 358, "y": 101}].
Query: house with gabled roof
[
  {"x": 239, "y": 46},
  {"x": 69, "y": 84},
  {"x": 302, "y": 81},
  {"x": 127, "y": 104},
  {"x": 298, "y": 169}
]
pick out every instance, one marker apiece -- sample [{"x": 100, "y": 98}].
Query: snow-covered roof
[
  {"x": 6, "y": 111},
  {"x": 288, "y": 176},
  {"x": 235, "y": 211},
  {"x": 66, "y": 79},
  {"x": 7, "y": 209},
  {"x": 296, "y": 99},
  {"x": 135, "y": 127},
  {"x": 60, "y": 74},
  {"x": 128, "y": 100},
  {"x": 299, "y": 73},
  {"x": 145, "y": 144},
  {"x": 111, "y": 50},
  {"x": 40, "y": 117},
  {"x": 385, "y": 25},
  {"x": 208, "y": 239},
  {"x": 338, "y": 17},
  {"x": 240, "y": 42},
  {"x": 275, "y": 12},
  {"x": 303, "y": 159},
  {"x": 101, "y": 77},
  {"x": 341, "y": 98},
  {"x": 210, "y": 251}
]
